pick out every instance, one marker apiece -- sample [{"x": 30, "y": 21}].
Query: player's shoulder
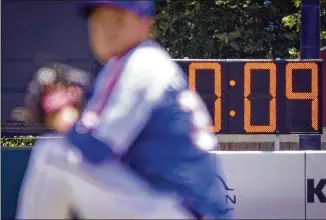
[
  {"x": 151, "y": 51},
  {"x": 152, "y": 58},
  {"x": 151, "y": 63}
]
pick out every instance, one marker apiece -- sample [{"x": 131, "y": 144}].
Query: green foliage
[
  {"x": 231, "y": 28},
  {"x": 18, "y": 141}
]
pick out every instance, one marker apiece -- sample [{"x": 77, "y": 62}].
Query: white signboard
[
  {"x": 316, "y": 185},
  {"x": 265, "y": 184}
]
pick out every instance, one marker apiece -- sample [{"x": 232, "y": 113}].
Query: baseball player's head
[{"x": 116, "y": 26}]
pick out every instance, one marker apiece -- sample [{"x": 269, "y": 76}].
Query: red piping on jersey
[{"x": 103, "y": 96}]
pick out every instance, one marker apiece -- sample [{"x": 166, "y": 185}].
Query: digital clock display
[{"x": 259, "y": 96}]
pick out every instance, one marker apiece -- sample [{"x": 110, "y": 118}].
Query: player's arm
[
  {"x": 119, "y": 124},
  {"x": 125, "y": 114},
  {"x": 54, "y": 97}
]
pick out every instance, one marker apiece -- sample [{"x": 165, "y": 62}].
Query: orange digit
[
  {"x": 217, "y": 85},
  {"x": 271, "y": 127},
  {"x": 312, "y": 95}
]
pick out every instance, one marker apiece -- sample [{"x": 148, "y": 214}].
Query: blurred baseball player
[{"x": 140, "y": 147}]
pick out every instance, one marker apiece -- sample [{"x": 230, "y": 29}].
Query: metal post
[
  {"x": 277, "y": 143},
  {"x": 309, "y": 45},
  {"x": 310, "y": 29}
]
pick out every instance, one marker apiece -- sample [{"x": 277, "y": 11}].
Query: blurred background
[
  {"x": 246, "y": 29},
  {"x": 36, "y": 31}
]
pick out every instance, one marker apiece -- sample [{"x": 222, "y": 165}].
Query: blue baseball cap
[{"x": 142, "y": 8}]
